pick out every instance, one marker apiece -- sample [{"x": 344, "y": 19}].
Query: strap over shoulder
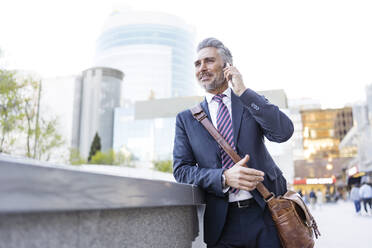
[{"x": 198, "y": 112}]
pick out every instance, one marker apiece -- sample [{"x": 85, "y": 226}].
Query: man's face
[{"x": 208, "y": 69}]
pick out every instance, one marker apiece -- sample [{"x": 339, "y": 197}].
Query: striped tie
[{"x": 224, "y": 126}]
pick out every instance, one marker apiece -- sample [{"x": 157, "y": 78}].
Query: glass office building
[
  {"x": 97, "y": 94},
  {"x": 146, "y": 128},
  {"x": 154, "y": 50}
]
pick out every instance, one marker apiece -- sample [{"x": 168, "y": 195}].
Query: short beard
[{"x": 216, "y": 84}]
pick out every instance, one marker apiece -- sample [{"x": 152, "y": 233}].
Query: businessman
[{"x": 236, "y": 214}]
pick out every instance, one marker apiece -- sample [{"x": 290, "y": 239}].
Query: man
[
  {"x": 365, "y": 193},
  {"x": 355, "y": 197},
  {"x": 312, "y": 199},
  {"x": 236, "y": 214},
  {"x": 319, "y": 199}
]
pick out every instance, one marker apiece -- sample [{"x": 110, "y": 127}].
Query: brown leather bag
[{"x": 296, "y": 226}]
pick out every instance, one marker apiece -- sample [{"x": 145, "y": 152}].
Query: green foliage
[
  {"x": 20, "y": 117},
  {"x": 11, "y": 112},
  {"x": 75, "y": 157},
  {"x": 164, "y": 165},
  {"x": 30, "y": 103},
  {"x": 111, "y": 158},
  {"x": 48, "y": 139},
  {"x": 107, "y": 158},
  {"x": 95, "y": 146}
]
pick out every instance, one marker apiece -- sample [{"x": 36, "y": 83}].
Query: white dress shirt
[{"x": 213, "y": 107}]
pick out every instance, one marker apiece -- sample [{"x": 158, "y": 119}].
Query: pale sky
[{"x": 320, "y": 49}]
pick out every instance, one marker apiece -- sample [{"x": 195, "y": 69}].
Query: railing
[{"x": 44, "y": 205}]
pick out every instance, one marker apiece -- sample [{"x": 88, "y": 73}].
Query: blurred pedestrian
[
  {"x": 355, "y": 197},
  {"x": 337, "y": 196},
  {"x": 312, "y": 199},
  {"x": 300, "y": 193},
  {"x": 319, "y": 198},
  {"x": 365, "y": 192},
  {"x": 306, "y": 198},
  {"x": 328, "y": 196}
]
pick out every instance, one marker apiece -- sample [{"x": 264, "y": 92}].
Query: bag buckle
[
  {"x": 200, "y": 116},
  {"x": 270, "y": 198}
]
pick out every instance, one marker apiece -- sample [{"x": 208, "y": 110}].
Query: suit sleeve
[
  {"x": 185, "y": 167},
  {"x": 276, "y": 126}
]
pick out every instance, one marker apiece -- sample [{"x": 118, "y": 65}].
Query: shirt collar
[{"x": 210, "y": 96}]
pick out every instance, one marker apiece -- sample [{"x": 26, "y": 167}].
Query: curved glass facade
[{"x": 156, "y": 58}]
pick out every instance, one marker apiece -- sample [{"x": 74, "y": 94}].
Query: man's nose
[{"x": 203, "y": 66}]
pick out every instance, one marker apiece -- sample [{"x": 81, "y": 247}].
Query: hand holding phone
[{"x": 235, "y": 79}]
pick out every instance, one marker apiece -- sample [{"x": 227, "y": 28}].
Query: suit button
[{"x": 254, "y": 106}]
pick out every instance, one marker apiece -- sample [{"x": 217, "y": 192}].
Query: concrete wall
[{"x": 43, "y": 205}]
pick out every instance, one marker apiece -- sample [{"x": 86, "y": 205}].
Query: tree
[
  {"x": 42, "y": 136},
  {"x": 31, "y": 105},
  {"x": 19, "y": 118},
  {"x": 47, "y": 139},
  {"x": 95, "y": 147},
  {"x": 11, "y": 114}
]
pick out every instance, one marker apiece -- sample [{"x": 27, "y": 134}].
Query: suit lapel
[
  {"x": 204, "y": 105},
  {"x": 237, "y": 113}
]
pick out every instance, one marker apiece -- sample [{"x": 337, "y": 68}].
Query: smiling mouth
[{"x": 205, "y": 77}]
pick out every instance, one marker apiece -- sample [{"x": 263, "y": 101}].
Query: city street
[{"x": 341, "y": 228}]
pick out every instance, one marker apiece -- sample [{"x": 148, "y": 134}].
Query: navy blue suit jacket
[{"x": 197, "y": 158}]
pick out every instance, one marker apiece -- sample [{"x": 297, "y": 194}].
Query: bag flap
[{"x": 295, "y": 197}]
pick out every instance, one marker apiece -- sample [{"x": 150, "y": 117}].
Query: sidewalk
[{"x": 341, "y": 228}]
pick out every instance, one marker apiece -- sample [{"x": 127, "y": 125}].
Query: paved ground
[{"x": 341, "y": 228}]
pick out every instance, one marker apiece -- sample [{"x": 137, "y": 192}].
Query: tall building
[
  {"x": 97, "y": 94},
  {"x": 155, "y": 51},
  {"x": 323, "y": 129},
  {"x": 146, "y": 128},
  {"x": 295, "y": 106},
  {"x": 358, "y": 140},
  {"x": 369, "y": 101}
]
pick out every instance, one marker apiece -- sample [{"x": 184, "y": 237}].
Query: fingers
[
  {"x": 244, "y": 185},
  {"x": 248, "y": 182},
  {"x": 244, "y": 160},
  {"x": 252, "y": 172},
  {"x": 227, "y": 74},
  {"x": 230, "y": 69},
  {"x": 250, "y": 178},
  {"x": 241, "y": 177},
  {"x": 249, "y": 171}
]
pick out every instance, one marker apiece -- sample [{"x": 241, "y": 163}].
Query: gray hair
[{"x": 222, "y": 50}]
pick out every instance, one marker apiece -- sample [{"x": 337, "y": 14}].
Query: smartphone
[{"x": 226, "y": 65}]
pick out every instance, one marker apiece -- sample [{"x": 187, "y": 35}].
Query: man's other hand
[{"x": 241, "y": 177}]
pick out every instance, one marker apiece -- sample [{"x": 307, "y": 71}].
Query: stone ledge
[{"x": 32, "y": 186}]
